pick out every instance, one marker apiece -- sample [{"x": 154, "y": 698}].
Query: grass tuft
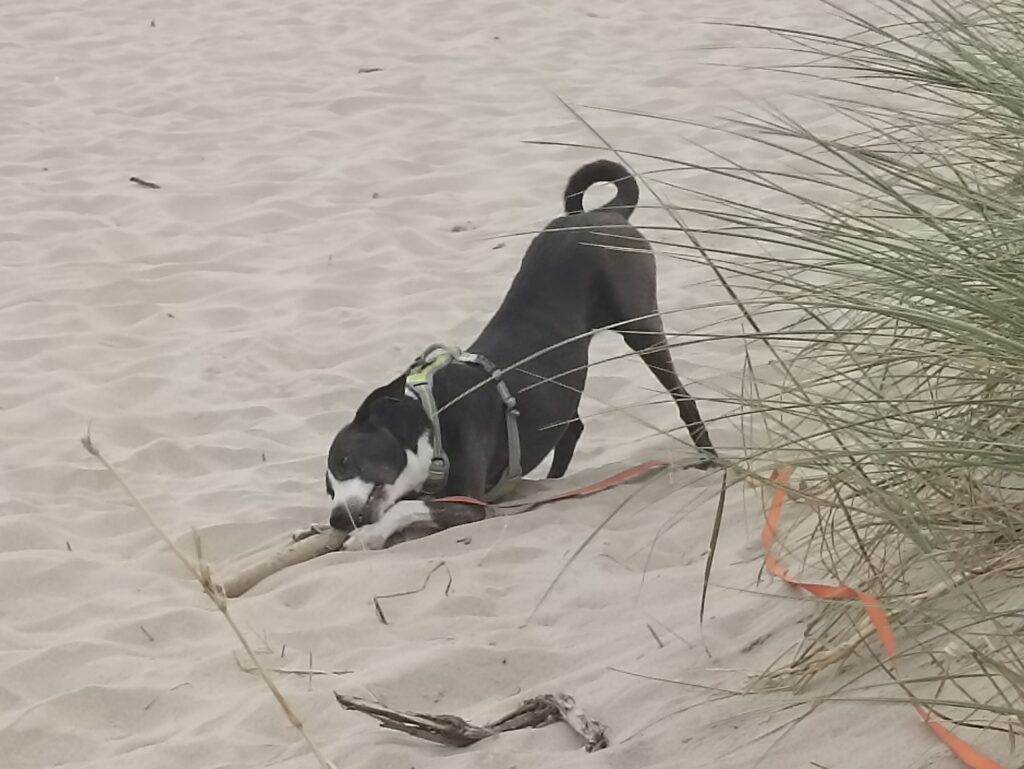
[{"x": 882, "y": 262}]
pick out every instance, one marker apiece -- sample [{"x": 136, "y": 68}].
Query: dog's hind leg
[
  {"x": 565, "y": 447},
  {"x": 647, "y": 337}
]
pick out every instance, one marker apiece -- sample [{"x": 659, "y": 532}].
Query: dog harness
[{"x": 419, "y": 383}]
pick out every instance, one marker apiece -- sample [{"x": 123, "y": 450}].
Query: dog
[{"x": 514, "y": 400}]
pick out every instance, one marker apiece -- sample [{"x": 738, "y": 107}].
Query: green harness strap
[{"x": 419, "y": 382}]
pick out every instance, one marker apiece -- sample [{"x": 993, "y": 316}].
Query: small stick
[
  {"x": 657, "y": 640},
  {"x": 310, "y": 546},
  {"x": 144, "y": 183},
  {"x": 459, "y": 733}
]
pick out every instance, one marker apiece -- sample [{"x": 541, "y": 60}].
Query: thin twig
[
  {"x": 310, "y": 671},
  {"x": 426, "y": 580}
]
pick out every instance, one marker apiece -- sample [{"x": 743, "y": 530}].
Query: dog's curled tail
[{"x": 627, "y": 191}]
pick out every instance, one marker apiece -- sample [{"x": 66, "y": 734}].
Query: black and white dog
[{"x": 587, "y": 270}]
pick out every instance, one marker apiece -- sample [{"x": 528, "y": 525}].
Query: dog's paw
[
  {"x": 708, "y": 459},
  {"x": 370, "y": 537},
  {"x": 375, "y": 536}
]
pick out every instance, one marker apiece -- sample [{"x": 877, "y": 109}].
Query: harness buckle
[{"x": 438, "y": 468}]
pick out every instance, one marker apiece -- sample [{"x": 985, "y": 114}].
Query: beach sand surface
[{"x": 340, "y": 185}]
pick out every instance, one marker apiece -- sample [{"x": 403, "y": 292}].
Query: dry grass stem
[
  {"x": 200, "y": 570},
  {"x": 310, "y": 671}
]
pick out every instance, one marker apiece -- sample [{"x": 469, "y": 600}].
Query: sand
[{"x": 337, "y": 187}]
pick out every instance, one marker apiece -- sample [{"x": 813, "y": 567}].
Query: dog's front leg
[
  {"x": 396, "y": 519},
  {"x": 423, "y": 517}
]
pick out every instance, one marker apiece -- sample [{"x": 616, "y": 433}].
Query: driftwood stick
[
  {"x": 446, "y": 730},
  {"x": 459, "y": 733},
  {"x": 534, "y": 712},
  {"x": 592, "y": 732},
  {"x": 305, "y": 549},
  {"x": 318, "y": 540}
]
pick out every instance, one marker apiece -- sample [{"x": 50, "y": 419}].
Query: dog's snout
[{"x": 345, "y": 518}]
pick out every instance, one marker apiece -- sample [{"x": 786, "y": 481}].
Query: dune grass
[
  {"x": 888, "y": 264},
  {"x": 879, "y": 269}
]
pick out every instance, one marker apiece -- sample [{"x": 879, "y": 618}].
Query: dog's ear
[{"x": 391, "y": 391}]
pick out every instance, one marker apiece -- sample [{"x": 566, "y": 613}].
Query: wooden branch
[
  {"x": 311, "y": 545},
  {"x": 317, "y": 540},
  {"x": 459, "y": 733},
  {"x": 592, "y": 732},
  {"x": 446, "y": 730}
]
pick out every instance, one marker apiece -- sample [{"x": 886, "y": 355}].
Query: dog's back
[{"x": 586, "y": 271}]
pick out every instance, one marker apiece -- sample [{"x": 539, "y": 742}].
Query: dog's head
[{"x": 383, "y": 455}]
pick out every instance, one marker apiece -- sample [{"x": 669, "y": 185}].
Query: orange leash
[
  {"x": 961, "y": 749},
  {"x": 582, "y": 491},
  {"x": 605, "y": 483}
]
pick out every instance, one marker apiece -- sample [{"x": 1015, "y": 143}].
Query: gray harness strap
[
  {"x": 514, "y": 471},
  {"x": 419, "y": 383}
]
